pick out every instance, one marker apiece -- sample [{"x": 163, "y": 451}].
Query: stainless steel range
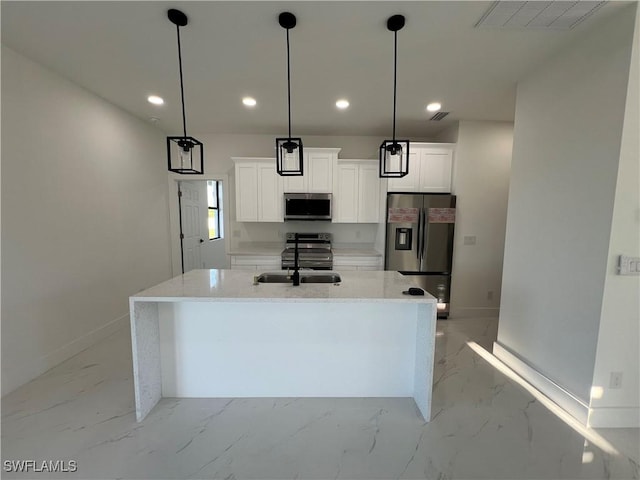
[{"x": 314, "y": 251}]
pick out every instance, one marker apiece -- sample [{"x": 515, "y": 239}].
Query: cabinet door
[
  {"x": 345, "y": 198},
  {"x": 368, "y": 194},
  {"x": 411, "y": 181},
  {"x": 269, "y": 194},
  {"x": 246, "y": 192},
  {"x": 320, "y": 168},
  {"x": 435, "y": 170},
  {"x": 297, "y": 183}
]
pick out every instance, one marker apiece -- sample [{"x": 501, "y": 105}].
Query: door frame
[{"x": 174, "y": 214}]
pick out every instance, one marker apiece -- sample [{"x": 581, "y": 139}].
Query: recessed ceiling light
[
  {"x": 434, "y": 107},
  {"x": 342, "y": 104},
  {"x": 249, "y": 102},
  {"x": 156, "y": 100}
]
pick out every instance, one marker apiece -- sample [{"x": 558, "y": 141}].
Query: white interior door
[{"x": 193, "y": 210}]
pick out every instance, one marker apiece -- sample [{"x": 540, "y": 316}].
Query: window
[{"x": 214, "y": 194}]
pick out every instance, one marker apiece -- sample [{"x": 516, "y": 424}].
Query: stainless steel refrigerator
[{"x": 419, "y": 242}]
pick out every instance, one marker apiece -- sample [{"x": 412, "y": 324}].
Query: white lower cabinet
[
  {"x": 356, "y": 194},
  {"x": 258, "y": 190}
]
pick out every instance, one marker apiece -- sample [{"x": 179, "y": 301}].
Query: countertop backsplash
[{"x": 273, "y": 234}]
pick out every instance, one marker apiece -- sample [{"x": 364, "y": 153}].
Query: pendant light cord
[
  {"x": 184, "y": 117},
  {"x": 395, "y": 66},
  {"x": 288, "y": 84}
]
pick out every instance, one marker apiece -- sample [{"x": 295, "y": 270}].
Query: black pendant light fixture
[
  {"x": 394, "y": 154},
  {"x": 288, "y": 150},
  {"x": 185, "y": 154}
]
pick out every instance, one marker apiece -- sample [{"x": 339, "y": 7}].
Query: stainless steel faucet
[{"x": 296, "y": 274}]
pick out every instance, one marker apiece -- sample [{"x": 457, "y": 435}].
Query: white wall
[
  {"x": 568, "y": 125},
  {"x": 618, "y": 339},
  {"x": 84, "y": 217},
  {"x": 482, "y": 166}
]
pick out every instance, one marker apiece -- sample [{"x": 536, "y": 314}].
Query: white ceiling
[{"x": 124, "y": 51}]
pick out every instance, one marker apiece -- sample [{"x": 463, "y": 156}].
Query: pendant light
[
  {"x": 288, "y": 150},
  {"x": 394, "y": 154},
  {"x": 185, "y": 154}
]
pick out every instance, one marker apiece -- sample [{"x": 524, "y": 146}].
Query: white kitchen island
[{"x": 213, "y": 333}]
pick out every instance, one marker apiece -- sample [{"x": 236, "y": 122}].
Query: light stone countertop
[{"x": 237, "y": 286}]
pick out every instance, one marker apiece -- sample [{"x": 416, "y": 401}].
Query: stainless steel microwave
[{"x": 307, "y": 206}]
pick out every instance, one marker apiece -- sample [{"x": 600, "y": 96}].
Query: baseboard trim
[
  {"x": 563, "y": 398},
  {"x": 474, "y": 312},
  {"x": 12, "y": 381},
  {"x": 612, "y": 417},
  {"x": 82, "y": 343}
]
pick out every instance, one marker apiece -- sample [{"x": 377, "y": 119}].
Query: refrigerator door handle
[
  {"x": 418, "y": 252},
  {"x": 425, "y": 238},
  {"x": 421, "y": 239}
]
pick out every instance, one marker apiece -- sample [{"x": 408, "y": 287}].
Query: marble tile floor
[{"x": 484, "y": 426}]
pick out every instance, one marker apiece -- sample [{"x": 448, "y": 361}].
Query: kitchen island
[{"x": 214, "y": 333}]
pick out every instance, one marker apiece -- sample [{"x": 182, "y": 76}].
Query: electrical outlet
[
  {"x": 469, "y": 239},
  {"x": 490, "y": 295},
  {"x": 628, "y": 265},
  {"x": 615, "y": 380},
  {"x": 357, "y": 233}
]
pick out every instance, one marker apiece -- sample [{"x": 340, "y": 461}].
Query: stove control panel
[{"x": 306, "y": 237}]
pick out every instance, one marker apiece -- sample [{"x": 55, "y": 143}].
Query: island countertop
[{"x": 237, "y": 286}]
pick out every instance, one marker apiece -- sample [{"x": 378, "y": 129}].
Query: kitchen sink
[
  {"x": 273, "y": 278},
  {"x": 320, "y": 278},
  {"x": 277, "y": 277}
]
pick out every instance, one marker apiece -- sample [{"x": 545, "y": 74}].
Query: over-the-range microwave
[{"x": 307, "y": 206}]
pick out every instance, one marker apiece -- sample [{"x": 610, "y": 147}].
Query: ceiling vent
[
  {"x": 439, "y": 116},
  {"x": 539, "y": 15}
]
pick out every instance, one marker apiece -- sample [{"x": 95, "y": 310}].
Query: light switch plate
[
  {"x": 469, "y": 239},
  {"x": 628, "y": 265},
  {"x": 615, "y": 380}
]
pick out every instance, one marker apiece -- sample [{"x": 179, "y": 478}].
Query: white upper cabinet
[
  {"x": 270, "y": 200},
  {"x": 317, "y": 170},
  {"x": 258, "y": 190},
  {"x": 356, "y": 194},
  {"x": 345, "y": 195},
  {"x": 411, "y": 181},
  {"x": 435, "y": 170},
  {"x": 429, "y": 169},
  {"x": 246, "y": 191},
  {"x": 369, "y": 193}
]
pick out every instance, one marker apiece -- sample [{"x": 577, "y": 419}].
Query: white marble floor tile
[{"x": 484, "y": 426}]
